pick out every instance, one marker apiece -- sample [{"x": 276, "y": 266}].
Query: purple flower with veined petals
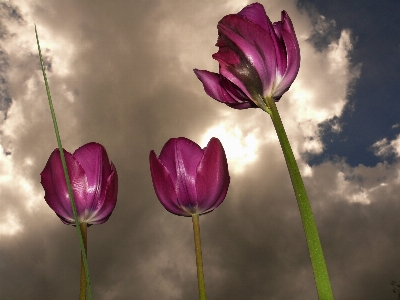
[
  {"x": 94, "y": 182},
  {"x": 256, "y": 59},
  {"x": 189, "y": 180}
]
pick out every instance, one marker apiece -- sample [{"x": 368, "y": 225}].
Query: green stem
[
  {"x": 71, "y": 195},
  {"x": 199, "y": 259},
  {"x": 321, "y": 276},
  {"x": 83, "y": 285}
]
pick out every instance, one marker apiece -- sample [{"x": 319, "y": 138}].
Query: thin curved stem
[
  {"x": 64, "y": 164},
  {"x": 321, "y": 276},
  {"x": 199, "y": 258}
]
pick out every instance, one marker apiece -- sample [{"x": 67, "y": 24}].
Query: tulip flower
[
  {"x": 94, "y": 183},
  {"x": 257, "y": 59},
  {"x": 189, "y": 180}
]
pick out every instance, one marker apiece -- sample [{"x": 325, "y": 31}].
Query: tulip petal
[
  {"x": 201, "y": 176},
  {"x": 293, "y": 56},
  {"x": 56, "y": 191},
  {"x": 94, "y": 160},
  {"x": 212, "y": 178},
  {"x": 187, "y": 157},
  {"x": 222, "y": 90},
  {"x": 280, "y": 52},
  {"x": 256, "y": 57},
  {"x": 110, "y": 199},
  {"x": 164, "y": 186},
  {"x": 246, "y": 55},
  {"x": 256, "y": 14},
  {"x": 188, "y": 150}
]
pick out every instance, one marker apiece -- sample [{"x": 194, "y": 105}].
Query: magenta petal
[
  {"x": 187, "y": 156},
  {"x": 280, "y": 52},
  {"x": 94, "y": 160},
  {"x": 222, "y": 90},
  {"x": 256, "y": 49},
  {"x": 293, "y": 56},
  {"x": 212, "y": 179},
  {"x": 56, "y": 191},
  {"x": 184, "y": 148},
  {"x": 110, "y": 199},
  {"x": 201, "y": 176},
  {"x": 256, "y": 14},
  {"x": 94, "y": 182},
  {"x": 163, "y": 186},
  {"x": 257, "y": 57}
]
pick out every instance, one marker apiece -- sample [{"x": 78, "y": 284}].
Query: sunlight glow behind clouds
[
  {"x": 315, "y": 96},
  {"x": 240, "y": 149},
  {"x": 11, "y": 225},
  {"x": 179, "y": 36}
]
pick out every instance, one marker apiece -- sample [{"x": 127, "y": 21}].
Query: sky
[{"x": 121, "y": 74}]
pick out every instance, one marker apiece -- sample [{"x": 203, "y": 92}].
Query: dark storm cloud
[
  {"x": 122, "y": 76},
  {"x": 9, "y": 13},
  {"x": 324, "y": 31}
]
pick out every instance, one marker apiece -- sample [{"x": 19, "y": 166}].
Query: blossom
[
  {"x": 257, "y": 59},
  {"x": 189, "y": 180},
  {"x": 94, "y": 182}
]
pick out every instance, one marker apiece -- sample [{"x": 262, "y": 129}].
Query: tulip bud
[
  {"x": 94, "y": 182},
  {"x": 189, "y": 180}
]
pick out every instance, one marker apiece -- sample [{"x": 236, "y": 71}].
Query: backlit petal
[
  {"x": 293, "y": 56},
  {"x": 56, "y": 191},
  {"x": 212, "y": 179},
  {"x": 223, "y": 90},
  {"x": 94, "y": 160},
  {"x": 163, "y": 185}
]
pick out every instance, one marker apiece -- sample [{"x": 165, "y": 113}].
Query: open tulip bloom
[
  {"x": 190, "y": 181},
  {"x": 258, "y": 61}
]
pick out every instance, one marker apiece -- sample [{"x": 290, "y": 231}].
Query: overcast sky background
[{"x": 121, "y": 74}]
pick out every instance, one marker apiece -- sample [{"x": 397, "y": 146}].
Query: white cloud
[
  {"x": 241, "y": 148},
  {"x": 184, "y": 39},
  {"x": 11, "y": 223},
  {"x": 319, "y": 93},
  {"x": 385, "y": 148},
  {"x": 351, "y": 192}
]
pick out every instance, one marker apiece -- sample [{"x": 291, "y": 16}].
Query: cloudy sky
[{"x": 121, "y": 74}]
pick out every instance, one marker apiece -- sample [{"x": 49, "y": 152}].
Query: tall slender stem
[
  {"x": 199, "y": 258},
  {"x": 321, "y": 276},
  {"x": 64, "y": 164},
  {"x": 83, "y": 285}
]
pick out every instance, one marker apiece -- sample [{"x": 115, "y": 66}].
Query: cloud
[
  {"x": 385, "y": 148},
  {"x": 121, "y": 74}
]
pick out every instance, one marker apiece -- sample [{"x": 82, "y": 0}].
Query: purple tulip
[
  {"x": 256, "y": 59},
  {"x": 94, "y": 183},
  {"x": 189, "y": 180}
]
